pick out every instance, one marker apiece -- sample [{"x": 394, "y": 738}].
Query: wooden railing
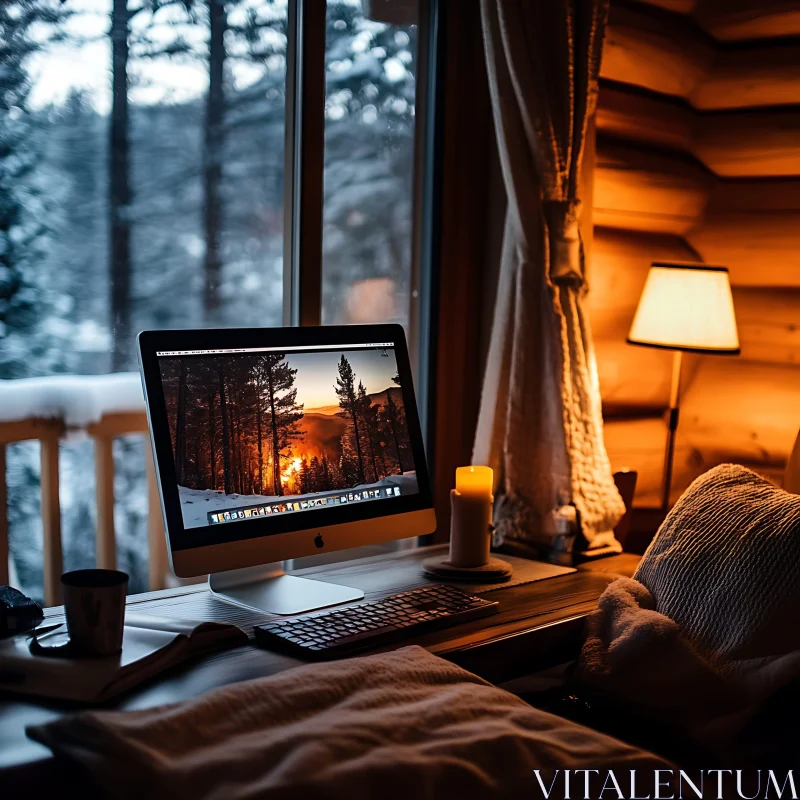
[{"x": 49, "y": 432}]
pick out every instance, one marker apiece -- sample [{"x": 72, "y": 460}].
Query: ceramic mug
[{"x": 94, "y": 605}]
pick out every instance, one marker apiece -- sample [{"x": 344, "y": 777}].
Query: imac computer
[{"x": 272, "y": 444}]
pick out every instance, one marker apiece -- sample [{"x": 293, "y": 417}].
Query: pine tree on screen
[
  {"x": 348, "y": 464},
  {"x": 224, "y": 423},
  {"x": 401, "y": 427},
  {"x": 170, "y": 369},
  {"x": 211, "y": 398},
  {"x": 205, "y": 421},
  {"x": 259, "y": 385},
  {"x": 325, "y": 473},
  {"x": 284, "y": 412},
  {"x": 304, "y": 478},
  {"x": 381, "y": 441},
  {"x": 245, "y": 405},
  {"x": 180, "y": 426},
  {"x": 368, "y": 413},
  {"x": 316, "y": 478},
  {"x": 393, "y": 422},
  {"x": 348, "y": 403}
]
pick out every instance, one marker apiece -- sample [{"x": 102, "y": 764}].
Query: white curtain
[{"x": 540, "y": 425}]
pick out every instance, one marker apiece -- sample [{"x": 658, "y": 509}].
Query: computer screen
[{"x": 267, "y": 432}]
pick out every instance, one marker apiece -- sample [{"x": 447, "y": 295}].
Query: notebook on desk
[{"x": 150, "y": 645}]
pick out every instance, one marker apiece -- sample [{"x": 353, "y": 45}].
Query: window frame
[
  {"x": 426, "y": 244},
  {"x": 304, "y": 155}
]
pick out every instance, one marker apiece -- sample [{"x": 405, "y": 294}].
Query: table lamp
[{"x": 685, "y": 308}]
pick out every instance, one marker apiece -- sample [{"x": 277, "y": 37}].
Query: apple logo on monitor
[{"x": 318, "y": 540}]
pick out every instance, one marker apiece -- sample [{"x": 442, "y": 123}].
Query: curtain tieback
[{"x": 566, "y": 250}]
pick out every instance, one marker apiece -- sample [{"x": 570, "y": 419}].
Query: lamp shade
[{"x": 686, "y": 307}]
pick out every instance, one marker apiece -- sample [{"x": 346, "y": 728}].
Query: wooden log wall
[{"x": 698, "y": 158}]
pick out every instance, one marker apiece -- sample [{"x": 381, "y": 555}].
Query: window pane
[
  {"x": 156, "y": 205},
  {"x": 371, "y": 62}
]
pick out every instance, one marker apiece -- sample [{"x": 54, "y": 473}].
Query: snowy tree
[
  {"x": 235, "y": 32},
  {"x": 21, "y": 227}
]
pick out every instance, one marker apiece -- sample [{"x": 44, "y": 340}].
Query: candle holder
[{"x": 471, "y": 529}]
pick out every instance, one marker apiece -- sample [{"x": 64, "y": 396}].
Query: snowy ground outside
[{"x": 197, "y": 503}]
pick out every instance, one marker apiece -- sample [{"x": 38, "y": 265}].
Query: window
[
  {"x": 142, "y": 184},
  {"x": 369, "y": 165}
]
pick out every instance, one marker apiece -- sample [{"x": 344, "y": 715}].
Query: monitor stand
[{"x": 268, "y": 588}]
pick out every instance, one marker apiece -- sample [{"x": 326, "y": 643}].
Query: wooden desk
[{"x": 539, "y": 624}]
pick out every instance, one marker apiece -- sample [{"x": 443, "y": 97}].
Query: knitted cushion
[{"x": 725, "y": 565}]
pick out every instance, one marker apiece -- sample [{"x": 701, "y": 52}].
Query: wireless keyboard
[{"x": 339, "y": 632}]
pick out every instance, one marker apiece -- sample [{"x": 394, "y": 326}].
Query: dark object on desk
[
  {"x": 494, "y": 570},
  {"x": 94, "y": 604},
  {"x": 18, "y": 613},
  {"x": 625, "y": 481},
  {"x": 340, "y": 632}
]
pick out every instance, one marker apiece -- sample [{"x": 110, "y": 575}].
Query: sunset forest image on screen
[{"x": 258, "y": 433}]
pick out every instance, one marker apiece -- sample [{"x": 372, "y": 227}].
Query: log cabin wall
[{"x": 698, "y": 158}]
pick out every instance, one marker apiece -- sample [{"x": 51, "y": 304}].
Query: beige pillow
[{"x": 725, "y": 565}]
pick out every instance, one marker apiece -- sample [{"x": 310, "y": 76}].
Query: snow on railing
[
  {"x": 49, "y": 409},
  {"x": 75, "y": 400}
]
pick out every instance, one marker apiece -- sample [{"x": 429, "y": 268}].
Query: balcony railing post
[
  {"x": 51, "y": 520},
  {"x": 106, "y": 555},
  {"x": 158, "y": 562},
  {"x": 4, "y": 554}
]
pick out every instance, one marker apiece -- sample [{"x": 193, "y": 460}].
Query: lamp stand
[{"x": 674, "y": 411}]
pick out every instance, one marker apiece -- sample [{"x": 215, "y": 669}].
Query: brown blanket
[{"x": 404, "y": 724}]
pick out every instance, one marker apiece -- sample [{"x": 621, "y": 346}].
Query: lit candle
[
  {"x": 471, "y": 517},
  {"x": 474, "y": 482}
]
